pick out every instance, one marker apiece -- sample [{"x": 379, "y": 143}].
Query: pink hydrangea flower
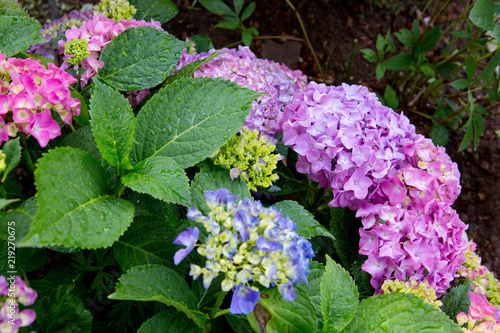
[
  {"x": 482, "y": 316},
  {"x": 30, "y": 92},
  {"x": 15, "y": 292},
  {"x": 244, "y": 68}
]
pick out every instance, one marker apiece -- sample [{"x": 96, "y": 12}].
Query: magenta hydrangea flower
[
  {"x": 400, "y": 184},
  {"x": 242, "y": 67},
  {"x": 28, "y": 93},
  {"x": 482, "y": 316},
  {"x": 98, "y": 32}
]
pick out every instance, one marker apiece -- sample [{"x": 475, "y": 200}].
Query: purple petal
[
  {"x": 286, "y": 290},
  {"x": 244, "y": 300},
  {"x": 187, "y": 238}
]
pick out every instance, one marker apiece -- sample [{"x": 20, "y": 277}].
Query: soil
[{"x": 337, "y": 30}]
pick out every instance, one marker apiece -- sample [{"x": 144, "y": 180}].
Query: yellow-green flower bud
[
  {"x": 3, "y": 165},
  {"x": 78, "y": 49},
  {"x": 422, "y": 290},
  {"x": 251, "y": 157},
  {"x": 115, "y": 9}
]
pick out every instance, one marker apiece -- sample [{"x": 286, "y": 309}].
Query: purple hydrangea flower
[{"x": 247, "y": 242}]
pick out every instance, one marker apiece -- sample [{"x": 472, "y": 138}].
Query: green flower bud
[
  {"x": 251, "y": 157},
  {"x": 78, "y": 49},
  {"x": 115, "y": 9}
]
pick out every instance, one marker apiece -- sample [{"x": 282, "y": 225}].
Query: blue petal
[
  {"x": 244, "y": 300},
  {"x": 286, "y": 290}
]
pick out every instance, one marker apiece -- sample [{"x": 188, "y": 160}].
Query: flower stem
[{"x": 218, "y": 302}]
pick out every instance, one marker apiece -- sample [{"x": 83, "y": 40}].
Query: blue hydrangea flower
[{"x": 247, "y": 243}]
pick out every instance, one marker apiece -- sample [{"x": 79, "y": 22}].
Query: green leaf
[
  {"x": 150, "y": 241},
  {"x": 380, "y": 70},
  {"x": 22, "y": 216},
  {"x": 190, "y": 119},
  {"x": 456, "y": 300},
  {"x": 158, "y": 283},
  {"x": 211, "y": 178},
  {"x": 26, "y": 259},
  {"x": 274, "y": 314},
  {"x": 146, "y": 205},
  {"x": 6, "y": 202},
  {"x": 439, "y": 135},
  {"x": 18, "y": 33},
  {"x": 344, "y": 227},
  {"x": 416, "y": 29},
  {"x": 203, "y": 43},
  {"x": 339, "y": 297},
  {"x": 431, "y": 38},
  {"x": 470, "y": 66},
  {"x": 158, "y": 10},
  {"x": 83, "y": 118},
  {"x": 12, "y": 151},
  {"x": 113, "y": 125},
  {"x": 460, "y": 84},
  {"x": 482, "y": 14},
  {"x": 399, "y": 312},
  {"x": 217, "y": 7},
  {"x": 391, "y": 98},
  {"x": 239, "y": 323},
  {"x": 12, "y": 7},
  {"x": 478, "y": 123},
  {"x": 490, "y": 68},
  {"x": 369, "y": 55},
  {"x": 496, "y": 33},
  {"x": 307, "y": 226},
  {"x": 379, "y": 45},
  {"x": 467, "y": 138},
  {"x": 59, "y": 311},
  {"x": 75, "y": 209},
  {"x": 399, "y": 61},
  {"x": 162, "y": 178},
  {"x": 246, "y": 37},
  {"x": 238, "y": 6},
  {"x": 227, "y": 25},
  {"x": 140, "y": 58},
  {"x": 169, "y": 321},
  {"x": 248, "y": 11},
  {"x": 461, "y": 34},
  {"x": 405, "y": 37},
  {"x": 427, "y": 69},
  {"x": 313, "y": 286},
  {"x": 189, "y": 69}
]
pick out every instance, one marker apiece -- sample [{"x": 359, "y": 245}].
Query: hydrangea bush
[{"x": 148, "y": 185}]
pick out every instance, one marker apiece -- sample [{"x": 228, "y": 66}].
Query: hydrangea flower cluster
[
  {"x": 28, "y": 93},
  {"x": 419, "y": 289},
  {"x": 483, "y": 282},
  {"x": 14, "y": 291},
  {"x": 399, "y": 182},
  {"x": 251, "y": 157},
  {"x": 244, "y": 68},
  {"x": 53, "y": 29},
  {"x": 346, "y": 140},
  {"x": 98, "y": 32},
  {"x": 482, "y": 317},
  {"x": 115, "y": 9},
  {"x": 246, "y": 242}
]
